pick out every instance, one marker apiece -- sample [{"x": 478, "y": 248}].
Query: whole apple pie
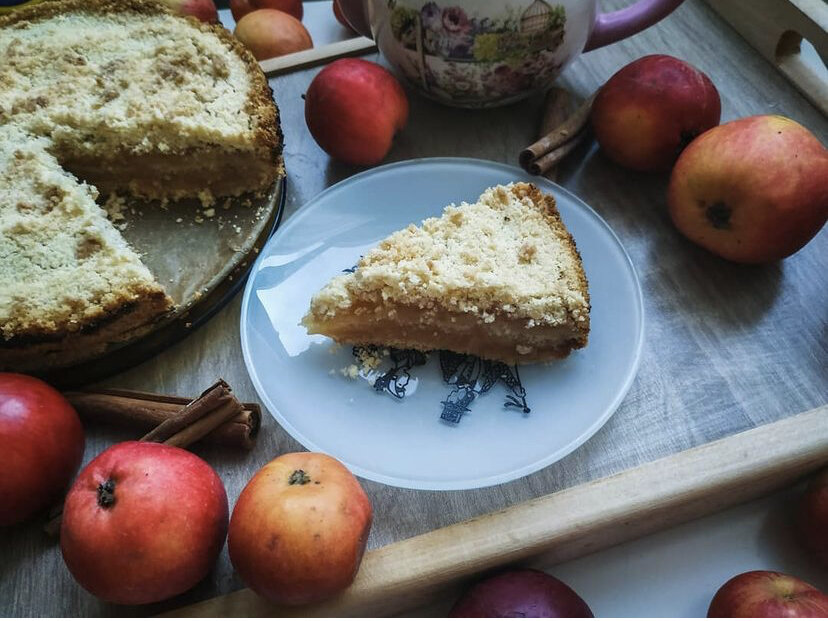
[
  {"x": 98, "y": 96},
  {"x": 501, "y": 279}
]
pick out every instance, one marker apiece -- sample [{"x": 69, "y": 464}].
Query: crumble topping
[{"x": 508, "y": 254}]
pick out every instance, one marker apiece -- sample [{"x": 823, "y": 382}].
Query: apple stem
[
  {"x": 299, "y": 477},
  {"x": 719, "y": 215},
  {"x": 106, "y": 493}
]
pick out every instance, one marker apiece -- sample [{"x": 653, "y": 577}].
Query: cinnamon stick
[
  {"x": 572, "y": 130},
  {"x": 145, "y": 411},
  {"x": 558, "y": 105},
  {"x": 547, "y": 164}
]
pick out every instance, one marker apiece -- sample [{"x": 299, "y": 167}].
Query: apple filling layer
[
  {"x": 210, "y": 171},
  {"x": 506, "y": 339}
]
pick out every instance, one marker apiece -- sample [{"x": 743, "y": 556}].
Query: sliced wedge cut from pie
[{"x": 500, "y": 278}]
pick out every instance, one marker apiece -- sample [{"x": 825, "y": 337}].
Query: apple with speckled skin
[
  {"x": 269, "y": 33},
  {"x": 651, "y": 109},
  {"x": 768, "y": 594},
  {"x": 753, "y": 190},
  {"x": 299, "y": 529},
  {"x": 143, "y": 522},
  {"x": 41, "y": 443}
]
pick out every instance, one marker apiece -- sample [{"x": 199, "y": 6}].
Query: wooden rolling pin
[{"x": 566, "y": 524}]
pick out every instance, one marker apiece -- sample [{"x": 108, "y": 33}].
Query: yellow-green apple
[
  {"x": 269, "y": 33},
  {"x": 764, "y": 594},
  {"x": 41, "y": 441},
  {"x": 143, "y": 522},
  {"x": 753, "y": 190},
  {"x": 813, "y": 518},
  {"x": 521, "y": 593},
  {"x": 651, "y": 109},
  {"x": 240, "y": 8},
  {"x": 299, "y": 529},
  {"x": 204, "y": 10},
  {"x": 353, "y": 108}
]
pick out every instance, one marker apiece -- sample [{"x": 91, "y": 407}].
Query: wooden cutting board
[
  {"x": 565, "y": 525},
  {"x": 776, "y": 28}
]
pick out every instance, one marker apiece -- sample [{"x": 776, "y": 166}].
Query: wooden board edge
[
  {"x": 566, "y": 524},
  {"x": 775, "y": 28},
  {"x": 317, "y": 56}
]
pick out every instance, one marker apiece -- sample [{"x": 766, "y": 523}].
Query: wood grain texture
[
  {"x": 776, "y": 29},
  {"x": 727, "y": 348},
  {"x": 567, "y": 524},
  {"x": 317, "y": 56}
]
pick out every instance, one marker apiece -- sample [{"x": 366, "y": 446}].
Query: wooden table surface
[{"x": 726, "y": 347}]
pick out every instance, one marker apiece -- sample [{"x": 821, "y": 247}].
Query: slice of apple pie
[{"x": 500, "y": 278}]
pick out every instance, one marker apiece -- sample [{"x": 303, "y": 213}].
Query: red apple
[
  {"x": 41, "y": 441},
  {"x": 521, "y": 593},
  {"x": 299, "y": 529},
  {"x": 204, "y": 10},
  {"x": 651, "y": 109},
  {"x": 143, "y": 522},
  {"x": 240, "y": 8},
  {"x": 340, "y": 16},
  {"x": 269, "y": 33},
  {"x": 353, "y": 108},
  {"x": 813, "y": 518},
  {"x": 768, "y": 594},
  {"x": 752, "y": 190}
]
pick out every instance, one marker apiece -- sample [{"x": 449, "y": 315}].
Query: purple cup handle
[
  {"x": 612, "y": 27},
  {"x": 354, "y": 12}
]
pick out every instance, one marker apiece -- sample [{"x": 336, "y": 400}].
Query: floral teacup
[{"x": 479, "y": 53}]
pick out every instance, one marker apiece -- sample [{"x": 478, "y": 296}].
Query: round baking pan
[{"x": 201, "y": 255}]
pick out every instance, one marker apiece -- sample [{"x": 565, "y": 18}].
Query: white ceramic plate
[{"x": 405, "y": 442}]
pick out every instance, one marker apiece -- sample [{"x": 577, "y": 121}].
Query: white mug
[{"x": 481, "y": 53}]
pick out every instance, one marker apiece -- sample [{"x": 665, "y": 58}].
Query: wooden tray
[
  {"x": 567, "y": 524},
  {"x": 201, "y": 261},
  {"x": 776, "y": 28}
]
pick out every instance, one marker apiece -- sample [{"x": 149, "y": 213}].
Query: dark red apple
[
  {"x": 521, "y": 593},
  {"x": 752, "y": 190},
  {"x": 143, "y": 522},
  {"x": 299, "y": 529},
  {"x": 768, "y": 594},
  {"x": 340, "y": 16},
  {"x": 240, "y": 8},
  {"x": 353, "y": 108},
  {"x": 651, "y": 109},
  {"x": 41, "y": 443},
  {"x": 813, "y": 518}
]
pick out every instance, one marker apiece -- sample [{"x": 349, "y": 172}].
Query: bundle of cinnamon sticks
[
  {"x": 215, "y": 416},
  {"x": 560, "y": 133}
]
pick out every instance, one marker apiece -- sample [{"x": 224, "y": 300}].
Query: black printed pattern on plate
[{"x": 470, "y": 376}]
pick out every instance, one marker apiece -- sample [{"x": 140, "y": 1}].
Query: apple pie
[
  {"x": 501, "y": 279},
  {"x": 103, "y": 96}
]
